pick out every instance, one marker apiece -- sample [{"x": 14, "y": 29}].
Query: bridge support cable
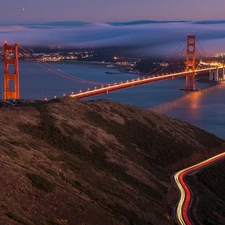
[
  {"x": 168, "y": 60},
  {"x": 202, "y": 48},
  {"x": 218, "y": 75},
  {"x": 57, "y": 71},
  {"x": 170, "y": 63}
]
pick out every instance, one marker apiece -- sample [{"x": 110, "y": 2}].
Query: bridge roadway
[
  {"x": 183, "y": 206},
  {"x": 135, "y": 82}
]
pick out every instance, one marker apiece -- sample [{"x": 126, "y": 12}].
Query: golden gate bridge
[{"x": 190, "y": 71}]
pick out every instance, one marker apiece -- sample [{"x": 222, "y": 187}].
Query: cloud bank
[{"x": 147, "y": 38}]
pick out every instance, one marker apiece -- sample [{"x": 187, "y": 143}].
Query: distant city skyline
[{"x": 25, "y": 11}]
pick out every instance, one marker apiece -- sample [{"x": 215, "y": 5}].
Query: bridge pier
[
  {"x": 214, "y": 75},
  {"x": 223, "y": 77},
  {"x": 190, "y": 83}
]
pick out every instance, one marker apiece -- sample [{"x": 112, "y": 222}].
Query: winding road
[{"x": 183, "y": 206}]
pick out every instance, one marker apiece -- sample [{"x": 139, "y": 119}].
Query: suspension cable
[
  {"x": 165, "y": 61},
  {"x": 58, "y": 71}
]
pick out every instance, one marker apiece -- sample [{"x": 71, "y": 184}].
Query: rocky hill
[{"x": 69, "y": 162}]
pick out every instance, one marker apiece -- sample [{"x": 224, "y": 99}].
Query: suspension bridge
[{"x": 190, "y": 71}]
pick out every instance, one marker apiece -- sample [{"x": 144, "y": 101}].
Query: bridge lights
[
  {"x": 80, "y": 91},
  {"x": 72, "y": 93}
]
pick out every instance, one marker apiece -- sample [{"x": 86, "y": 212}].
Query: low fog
[{"x": 143, "y": 38}]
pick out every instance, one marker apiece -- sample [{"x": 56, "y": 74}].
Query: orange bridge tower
[
  {"x": 190, "y": 62},
  {"x": 11, "y": 80}
]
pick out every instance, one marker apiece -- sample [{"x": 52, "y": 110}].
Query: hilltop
[{"x": 100, "y": 162}]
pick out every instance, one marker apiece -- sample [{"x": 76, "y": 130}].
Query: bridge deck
[{"x": 137, "y": 82}]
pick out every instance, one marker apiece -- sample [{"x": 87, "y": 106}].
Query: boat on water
[{"x": 112, "y": 72}]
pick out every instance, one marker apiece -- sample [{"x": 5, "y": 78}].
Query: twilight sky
[{"x": 20, "y": 11}]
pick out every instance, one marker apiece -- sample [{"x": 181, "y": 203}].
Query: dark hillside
[
  {"x": 208, "y": 187},
  {"x": 99, "y": 162}
]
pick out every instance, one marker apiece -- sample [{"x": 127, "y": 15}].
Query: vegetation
[{"x": 96, "y": 162}]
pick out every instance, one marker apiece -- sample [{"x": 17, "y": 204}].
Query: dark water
[{"x": 205, "y": 109}]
